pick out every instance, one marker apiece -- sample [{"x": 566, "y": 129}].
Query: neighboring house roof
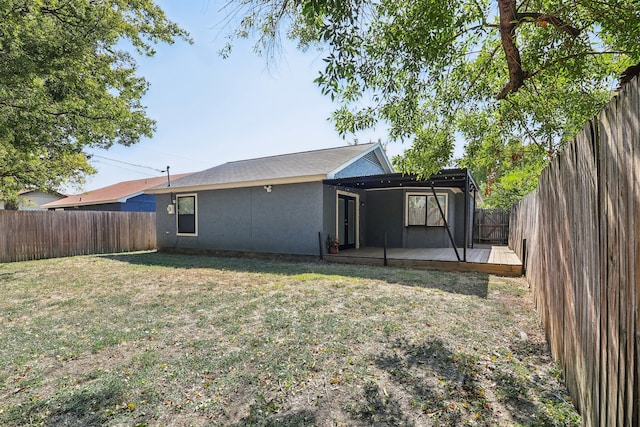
[
  {"x": 292, "y": 168},
  {"x": 52, "y": 193},
  {"x": 34, "y": 199},
  {"x": 116, "y": 193}
]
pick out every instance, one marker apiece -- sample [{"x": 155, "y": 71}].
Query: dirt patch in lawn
[{"x": 158, "y": 339}]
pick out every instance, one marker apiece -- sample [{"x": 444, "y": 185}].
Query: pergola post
[
  {"x": 466, "y": 214},
  {"x": 446, "y": 225}
]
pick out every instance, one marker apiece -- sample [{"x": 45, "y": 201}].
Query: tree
[
  {"x": 67, "y": 82},
  {"x": 491, "y": 72},
  {"x": 38, "y": 168}
]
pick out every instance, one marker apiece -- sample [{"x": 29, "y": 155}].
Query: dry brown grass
[{"x": 157, "y": 339}]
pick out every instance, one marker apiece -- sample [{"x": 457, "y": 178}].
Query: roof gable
[
  {"x": 43, "y": 192},
  {"x": 308, "y": 166},
  {"x": 368, "y": 164}
]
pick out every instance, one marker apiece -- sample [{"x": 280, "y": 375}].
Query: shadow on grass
[
  {"x": 4, "y": 277},
  {"x": 263, "y": 417},
  {"x": 449, "y": 385},
  {"x": 88, "y": 406},
  {"x": 552, "y": 408},
  {"x": 472, "y": 284},
  {"x": 440, "y": 380},
  {"x": 379, "y": 408}
]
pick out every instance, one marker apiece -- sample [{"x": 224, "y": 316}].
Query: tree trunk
[{"x": 508, "y": 25}]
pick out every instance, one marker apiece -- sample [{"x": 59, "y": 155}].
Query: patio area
[{"x": 498, "y": 260}]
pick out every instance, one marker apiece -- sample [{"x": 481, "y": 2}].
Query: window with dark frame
[
  {"x": 422, "y": 209},
  {"x": 186, "y": 207}
]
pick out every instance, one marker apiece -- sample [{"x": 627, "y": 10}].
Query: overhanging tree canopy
[
  {"x": 67, "y": 82},
  {"x": 515, "y": 80}
]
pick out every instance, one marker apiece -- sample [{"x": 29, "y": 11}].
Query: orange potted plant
[{"x": 332, "y": 244}]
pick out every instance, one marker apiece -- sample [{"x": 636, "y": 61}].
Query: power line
[
  {"x": 139, "y": 172},
  {"x": 89, "y": 156}
]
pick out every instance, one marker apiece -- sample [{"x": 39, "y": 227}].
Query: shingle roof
[
  {"x": 295, "y": 167},
  {"x": 53, "y": 193},
  {"x": 119, "y": 192}
]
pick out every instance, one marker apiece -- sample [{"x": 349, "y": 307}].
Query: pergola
[{"x": 446, "y": 178}]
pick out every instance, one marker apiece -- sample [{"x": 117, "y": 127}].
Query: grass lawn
[{"x": 157, "y": 339}]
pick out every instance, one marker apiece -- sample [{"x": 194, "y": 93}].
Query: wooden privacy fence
[
  {"x": 491, "y": 226},
  {"x": 582, "y": 233},
  {"x": 28, "y": 235}
]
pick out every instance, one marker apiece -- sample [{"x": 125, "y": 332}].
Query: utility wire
[
  {"x": 89, "y": 156},
  {"x": 143, "y": 173}
]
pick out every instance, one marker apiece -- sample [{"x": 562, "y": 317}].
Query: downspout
[{"x": 446, "y": 225}]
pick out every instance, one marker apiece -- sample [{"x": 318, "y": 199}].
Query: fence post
[
  {"x": 385, "y": 248},
  {"x": 524, "y": 257}
]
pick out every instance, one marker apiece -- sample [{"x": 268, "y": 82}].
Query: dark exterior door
[{"x": 347, "y": 221}]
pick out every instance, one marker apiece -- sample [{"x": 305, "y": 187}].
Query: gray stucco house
[{"x": 282, "y": 204}]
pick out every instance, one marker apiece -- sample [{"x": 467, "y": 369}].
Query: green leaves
[
  {"x": 38, "y": 167},
  {"x": 66, "y": 83},
  {"x": 536, "y": 70},
  {"x": 430, "y": 149}
]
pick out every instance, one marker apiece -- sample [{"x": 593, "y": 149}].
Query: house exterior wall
[
  {"x": 286, "y": 220},
  {"x": 329, "y": 210},
  {"x": 459, "y": 219},
  {"x": 33, "y": 200},
  {"x": 107, "y": 207},
  {"x": 386, "y": 213},
  {"x": 364, "y": 206},
  {"x": 140, "y": 203}
]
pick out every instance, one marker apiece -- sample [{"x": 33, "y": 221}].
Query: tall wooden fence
[
  {"x": 491, "y": 226},
  {"x": 28, "y": 235},
  {"x": 582, "y": 233}
]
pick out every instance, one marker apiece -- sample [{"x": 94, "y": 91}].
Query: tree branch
[
  {"x": 524, "y": 124},
  {"x": 527, "y": 75},
  {"x": 59, "y": 113},
  {"x": 550, "y": 19}
]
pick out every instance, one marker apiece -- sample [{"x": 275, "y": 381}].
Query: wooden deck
[{"x": 498, "y": 260}]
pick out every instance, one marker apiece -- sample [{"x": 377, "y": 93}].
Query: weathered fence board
[
  {"x": 581, "y": 228},
  {"x": 28, "y": 235},
  {"x": 632, "y": 100},
  {"x": 491, "y": 226}
]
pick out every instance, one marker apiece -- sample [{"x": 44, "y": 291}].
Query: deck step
[{"x": 497, "y": 260}]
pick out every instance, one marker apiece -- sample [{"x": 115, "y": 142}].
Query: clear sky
[{"x": 211, "y": 110}]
